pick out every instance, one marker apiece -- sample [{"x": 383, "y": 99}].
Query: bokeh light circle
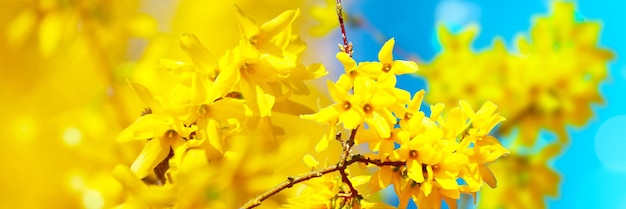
[{"x": 610, "y": 143}]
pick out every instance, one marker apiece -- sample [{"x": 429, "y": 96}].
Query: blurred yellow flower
[
  {"x": 524, "y": 180},
  {"x": 550, "y": 83}
]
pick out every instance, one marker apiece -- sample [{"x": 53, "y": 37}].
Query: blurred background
[{"x": 64, "y": 66}]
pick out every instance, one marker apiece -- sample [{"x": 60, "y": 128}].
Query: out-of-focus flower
[
  {"x": 524, "y": 180},
  {"x": 326, "y": 17},
  {"x": 54, "y": 23},
  {"x": 551, "y": 83}
]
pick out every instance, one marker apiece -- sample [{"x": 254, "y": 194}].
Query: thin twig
[
  {"x": 347, "y": 149},
  {"x": 288, "y": 184},
  {"x": 315, "y": 174},
  {"x": 347, "y": 47}
]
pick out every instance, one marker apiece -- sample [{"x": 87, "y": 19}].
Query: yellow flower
[
  {"x": 553, "y": 79},
  {"x": 415, "y": 152},
  {"x": 386, "y": 64},
  {"x": 272, "y": 37},
  {"x": 524, "y": 180},
  {"x": 265, "y": 58},
  {"x": 346, "y": 109},
  {"x": 161, "y": 128},
  {"x": 346, "y": 80},
  {"x": 327, "y": 18},
  {"x": 54, "y": 23}
]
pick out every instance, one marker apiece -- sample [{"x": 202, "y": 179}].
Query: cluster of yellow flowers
[
  {"x": 197, "y": 137},
  {"x": 548, "y": 83},
  {"x": 434, "y": 152},
  {"x": 58, "y": 60},
  {"x": 214, "y": 100}
]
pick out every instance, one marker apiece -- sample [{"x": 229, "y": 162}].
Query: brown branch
[
  {"x": 288, "y": 184},
  {"x": 315, "y": 174},
  {"x": 347, "y": 149},
  {"x": 347, "y": 47},
  {"x": 378, "y": 162}
]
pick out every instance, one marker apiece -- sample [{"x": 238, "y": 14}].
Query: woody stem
[{"x": 347, "y": 47}]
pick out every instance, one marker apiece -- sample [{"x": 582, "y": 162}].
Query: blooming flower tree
[{"x": 222, "y": 116}]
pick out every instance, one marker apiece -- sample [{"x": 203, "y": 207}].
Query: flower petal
[
  {"x": 324, "y": 115},
  {"x": 403, "y": 67},
  {"x": 351, "y": 119},
  {"x": 279, "y": 23},
  {"x": 247, "y": 26},
  {"x": 145, "y": 96},
  {"x": 155, "y": 151},
  {"x": 146, "y": 127},
  {"x": 199, "y": 55},
  {"x": 385, "y": 55},
  {"x": 415, "y": 170}
]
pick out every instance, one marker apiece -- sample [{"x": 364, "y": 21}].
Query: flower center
[
  {"x": 368, "y": 108},
  {"x": 353, "y": 73},
  {"x": 386, "y": 68},
  {"x": 245, "y": 67},
  {"x": 346, "y": 105},
  {"x": 170, "y": 134},
  {"x": 203, "y": 110},
  {"x": 413, "y": 153},
  {"x": 253, "y": 40},
  {"x": 408, "y": 116}
]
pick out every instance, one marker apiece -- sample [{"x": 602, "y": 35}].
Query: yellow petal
[
  {"x": 385, "y": 55},
  {"x": 488, "y": 176},
  {"x": 435, "y": 111},
  {"x": 146, "y": 97},
  {"x": 348, "y": 63},
  {"x": 427, "y": 188},
  {"x": 146, "y": 127},
  {"x": 20, "y": 29},
  {"x": 467, "y": 109},
  {"x": 416, "y": 102},
  {"x": 336, "y": 92},
  {"x": 360, "y": 180},
  {"x": 382, "y": 100},
  {"x": 279, "y": 23},
  {"x": 192, "y": 46},
  {"x": 447, "y": 182},
  {"x": 322, "y": 144},
  {"x": 382, "y": 127},
  {"x": 228, "y": 108},
  {"x": 225, "y": 82},
  {"x": 370, "y": 69},
  {"x": 50, "y": 32},
  {"x": 126, "y": 177},
  {"x": 214, "y": 137},
  {"x": 198, "y": 91},
  {"x": 415, "y": 170},
  {"x": 152, "y": 154},
  {"x": 310, "y": 161},
  {"x": 351, "y": 119},
  {"x": 193, "y": 160},
  {"x": 247, "y": 26},
  {"x": 403, "y": 67},
  {"x": 258, "y": 94},
  {"x": 324, "y": 115}
]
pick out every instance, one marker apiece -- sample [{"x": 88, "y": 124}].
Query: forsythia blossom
[
  {"x": 434, "y": 152},
  {"x": 202, "y": 138}
]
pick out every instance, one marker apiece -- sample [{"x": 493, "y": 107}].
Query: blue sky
[{"x": 593, "y": 166}]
